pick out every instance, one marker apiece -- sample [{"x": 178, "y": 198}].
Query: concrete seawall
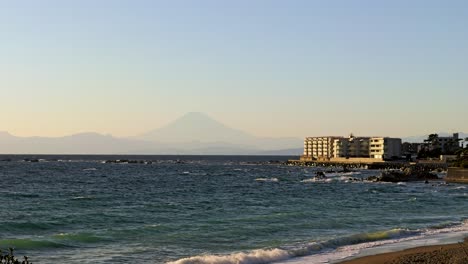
[{"x": 457, "y": 175}]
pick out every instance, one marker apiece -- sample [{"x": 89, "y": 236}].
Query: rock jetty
[{"x": 405, "y": 175}]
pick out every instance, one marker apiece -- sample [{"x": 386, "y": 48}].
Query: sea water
[{"x": 211, "y": 209}]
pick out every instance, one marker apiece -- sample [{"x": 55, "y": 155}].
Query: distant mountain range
[{"x": 194, "y": 133}]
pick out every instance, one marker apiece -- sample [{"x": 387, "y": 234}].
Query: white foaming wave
[
  {"x": 354, "y": 249},
  {"x": 309, "y": 180},
  {"x": 339, "y": 174},
  {"x": 259, "y": 256},
  {"x": 386, "y": 238},
  {"x": 267, "y": 179},
  {"x": 88, "y": 197},
  {"x": 327, "y": 251},
  {"x": 463, "y": 227}
]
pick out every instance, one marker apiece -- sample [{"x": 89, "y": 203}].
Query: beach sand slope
[{"x": 441, "y": 254}]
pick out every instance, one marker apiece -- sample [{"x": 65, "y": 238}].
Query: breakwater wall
[{"x": 457, "y": 175}]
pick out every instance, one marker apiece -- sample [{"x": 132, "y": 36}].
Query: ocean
[{"x": 211, "y": 209}]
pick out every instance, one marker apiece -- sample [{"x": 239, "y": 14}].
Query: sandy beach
[{"x": 456, "y": 253}]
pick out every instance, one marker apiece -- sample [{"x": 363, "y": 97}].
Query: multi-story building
[
  {"x": 328, "y": 148},
  {"x": 447, "y": 145},
  {"x": 408, "y": 148},
  {"x": 319, "y": 147},
  {"x": 450, "y": 143},
  {"x": 385, "y": 148}
]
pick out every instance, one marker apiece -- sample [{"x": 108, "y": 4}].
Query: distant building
[
  {"x": 329, "y": 148},
  {"x": 408, "y": 148},
  {"x": 449, "y": 143}
]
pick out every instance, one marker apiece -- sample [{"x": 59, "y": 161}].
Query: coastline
[{"x": 455, "y": 253}]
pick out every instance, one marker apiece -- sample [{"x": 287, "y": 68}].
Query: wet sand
[{"x": 440, "y": 254}]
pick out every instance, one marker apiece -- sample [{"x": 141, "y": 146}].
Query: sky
[{"x": 271, "y": 68}]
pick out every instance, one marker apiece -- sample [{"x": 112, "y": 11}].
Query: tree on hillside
[{"x": 432, "y": 147}]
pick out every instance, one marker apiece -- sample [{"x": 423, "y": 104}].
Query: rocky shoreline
[{"x": 405, "y": 175}]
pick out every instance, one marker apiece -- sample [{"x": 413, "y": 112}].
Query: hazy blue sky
[{"x": 272, "y": 68}]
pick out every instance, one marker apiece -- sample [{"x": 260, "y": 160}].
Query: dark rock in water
[
  {"x": 320, "y": 175},
  {"x": 345, "y": 169},
  {"x": 373, "y": 178},
  {"x": 393, "y": 176},
  {"x": 408, "y": 174},
  {"x": 419, "y": 174},
  {"x": 354, "y": 179}
]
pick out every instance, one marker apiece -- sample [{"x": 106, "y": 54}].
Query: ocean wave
[
  {"x": 27, "y": 243},
  {"x": 60, "y": 240},
  {"x": 325, "y": 251},
  {"x": 30, "y": 226},
  {"x": 87, "y": 197},
  {"x": 309, "y": 180},
  {"x": 341, "y": 174},
  {"x": 267, "y": 179},
  {"x": 78, "y": 237},
  {"x": 19, "y": 194},
  {"x": 259, "y": 256}
]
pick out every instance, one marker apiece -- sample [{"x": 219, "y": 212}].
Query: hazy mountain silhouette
[
  {"x": 194, "y": 133},
  {"x": 196, "y": 127},
  {"x": 83, "y": 143},
  {"x": 198, "y": 130}
]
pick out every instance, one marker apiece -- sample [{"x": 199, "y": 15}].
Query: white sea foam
[
  {"x": 267, "y": 179},
  {"x": 88, "y": 197},
  {"x": 309, "y": 180},
  {"x": 385, "y": 241},
  {"x": 340, "y": 174},
  {"x": 253, "y": 257}
]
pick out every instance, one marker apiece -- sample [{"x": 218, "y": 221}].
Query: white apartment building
[
  {"x": 326, "y": 148},
  {"x": 319, "y": 147},
  {"x": 384, "y": 148}
]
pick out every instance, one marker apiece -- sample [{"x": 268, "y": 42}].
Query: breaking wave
[
  {"x": 254, "y": 257},
  {"x": 336, "y": 248},
  {"x": 267, "y": 179}
]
